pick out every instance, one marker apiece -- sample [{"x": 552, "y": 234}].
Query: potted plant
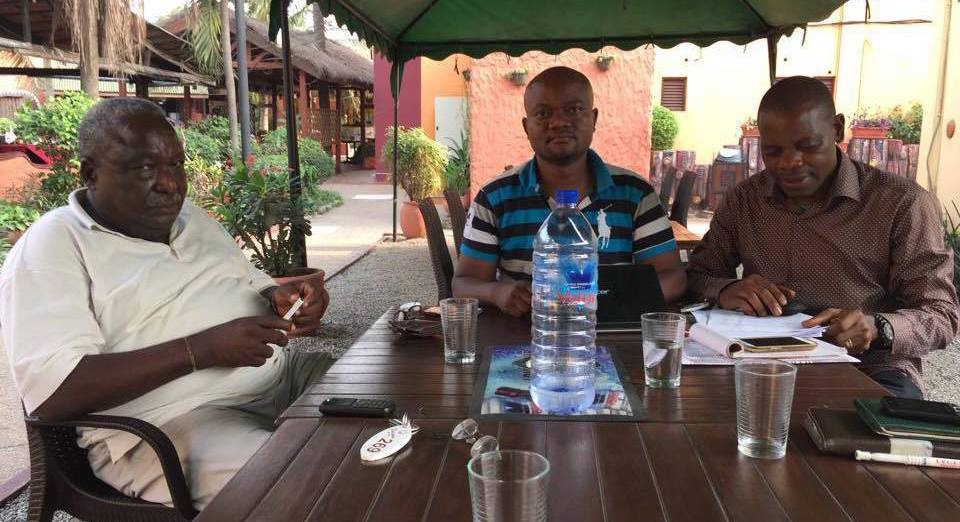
[
  {"x": 905, "y": 124},
  {"x": 604, "y": 61},
  {"x": 255, "y": 207},
  {"x": 457, "y": 174},
  {"x": 870, "y": 126},
  {"x": 420, "y": 166},
  {"x": 749, "y": 127},
  {"x": 518, "y": 76}
]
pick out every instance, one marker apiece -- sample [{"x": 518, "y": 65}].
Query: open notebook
[{"x": 713, "y": 340}]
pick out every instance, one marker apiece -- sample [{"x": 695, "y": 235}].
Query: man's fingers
[
  {"x": 790, "y": 293},
  {"x": 754, "y": 301},
  {"x": 273, "y": 322},
  {"x": 821, "y": 318},
  {"x": 770, "y": 301}
]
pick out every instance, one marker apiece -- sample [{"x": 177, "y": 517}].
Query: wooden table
[
  {"x": 687, "y": 240},
  {"x": 683, "y": 465}
]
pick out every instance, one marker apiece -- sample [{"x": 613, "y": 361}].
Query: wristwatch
[{"x": 884, "y": 340}]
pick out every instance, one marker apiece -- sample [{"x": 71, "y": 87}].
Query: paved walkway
[{"x": 345, "y": 233}]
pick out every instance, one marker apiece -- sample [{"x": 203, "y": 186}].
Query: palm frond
[{"x": 203, "y": 35}]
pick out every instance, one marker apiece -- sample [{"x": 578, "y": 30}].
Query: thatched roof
[{"x": 335, "y": 63}]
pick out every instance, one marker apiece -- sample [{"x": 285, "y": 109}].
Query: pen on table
[{"x": 909, "y": 460}]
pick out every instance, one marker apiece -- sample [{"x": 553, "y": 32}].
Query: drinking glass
[
  {"x": 459, "y": 318},
  {"x": 662, "y": 348},
  {"x": 764, "y": 389},
  {"x": 509, "y": 486}
]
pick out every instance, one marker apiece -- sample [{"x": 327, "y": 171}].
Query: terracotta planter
[
  {"x": 299, "y": 274},
  {"x": 411, "y": 221},
  {"x": 369, "y": 162},
  {"x": 872, "y": 133},
  {"x": 749, "y": 131}
]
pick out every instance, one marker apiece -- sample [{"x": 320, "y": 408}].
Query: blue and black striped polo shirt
[{"x": 625, "y": 212}]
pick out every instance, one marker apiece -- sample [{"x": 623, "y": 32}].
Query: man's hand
[
  {"x": 755, "y": 295},
  {"x": 513, "y": 297},
  {"x": 852, "y": 329},
  {"x": 315, "y": 302},
  {"x": 241, "y": 342}
]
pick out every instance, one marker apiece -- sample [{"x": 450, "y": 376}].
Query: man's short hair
[
  {"x": 104, "y": 120},
  {"x": 797, "y": 93}
]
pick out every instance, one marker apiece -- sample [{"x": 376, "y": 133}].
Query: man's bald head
[
  {"x": 556, "y": 77},
  {"x": 796, "y": 94}
]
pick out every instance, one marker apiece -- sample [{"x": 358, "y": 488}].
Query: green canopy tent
[{"x": 404, "y": 29}]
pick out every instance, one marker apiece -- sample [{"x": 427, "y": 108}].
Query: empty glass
[
  {"x": 662, "y": 348},
  {"x": 459, "y": 318},
  {"x": 509, "y": 485},
  {"x": 764, "y": 390}
]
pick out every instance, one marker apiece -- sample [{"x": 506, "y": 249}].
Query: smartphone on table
[
  {"x": 776, "y": 344},
  {"x": 916, "y": 409}
]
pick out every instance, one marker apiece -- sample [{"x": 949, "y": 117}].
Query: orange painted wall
[
  {"x": 440, "y": 79},
  {"x": 622, "y": 95}
]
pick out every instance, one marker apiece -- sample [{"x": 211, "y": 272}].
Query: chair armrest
[{"x": 157, "y": 439}]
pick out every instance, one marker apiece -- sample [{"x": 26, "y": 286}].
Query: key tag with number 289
[{"x": 388, "y": 441}]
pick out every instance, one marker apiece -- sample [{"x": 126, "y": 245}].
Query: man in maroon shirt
[{"x": 861, "y": 249}]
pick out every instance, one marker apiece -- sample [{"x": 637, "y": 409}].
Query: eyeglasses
[{"x": 469, "y": 431}]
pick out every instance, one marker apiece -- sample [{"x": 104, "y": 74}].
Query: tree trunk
[
  {"x": 89, "y": 53},
  {"x": 319, "y": 27},
  {"x": 228, "y": 72}
]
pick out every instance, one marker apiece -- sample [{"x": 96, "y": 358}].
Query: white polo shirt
[{"x": 70, "y": 288}]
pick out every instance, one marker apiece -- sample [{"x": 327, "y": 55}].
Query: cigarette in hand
[{"x": 293, "y": 309}]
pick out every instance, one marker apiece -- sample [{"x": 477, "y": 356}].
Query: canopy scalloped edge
[{"x": 404, "y": 51}]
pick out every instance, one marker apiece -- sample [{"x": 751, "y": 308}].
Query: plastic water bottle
[{"x": 564, "y": 310}]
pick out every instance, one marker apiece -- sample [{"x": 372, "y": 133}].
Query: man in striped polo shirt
[{"x": 623, "y": 208}]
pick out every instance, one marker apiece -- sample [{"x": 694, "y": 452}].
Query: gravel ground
[{"x": 398, "y": 272}]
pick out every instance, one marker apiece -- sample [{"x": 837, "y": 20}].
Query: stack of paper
[
  {"x": 735, "y": 324},
  {"x": 713, "y": 340}
]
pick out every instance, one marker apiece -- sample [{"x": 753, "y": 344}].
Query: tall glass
[
  {"x": 459, "y": 318},
  {"x": 509, "y": 486},
  {"x": 662, "y": 348},
  {"x": 764, "y": 390}
]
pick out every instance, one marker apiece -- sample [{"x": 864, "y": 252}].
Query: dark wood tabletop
[{"x": 680, "y": 464}]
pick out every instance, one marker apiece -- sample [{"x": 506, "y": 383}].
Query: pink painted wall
[
  {"x": 622, "y": 95},
  {"x": 409, "y": 109}
]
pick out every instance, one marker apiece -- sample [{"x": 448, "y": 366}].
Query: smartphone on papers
[
  {"x": 776, "y": 344},
  {"x": 917, "y": 409}
]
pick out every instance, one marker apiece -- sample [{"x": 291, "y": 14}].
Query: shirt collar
[
  {"x": 596, "y": 165},
  {"x": 73, "y": 201},
  {"x": 846, "y": 182}
]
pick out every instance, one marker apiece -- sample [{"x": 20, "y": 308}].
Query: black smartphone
[
  {"x": 917, "y": 409},
  {"x": 356, "y": 407}
]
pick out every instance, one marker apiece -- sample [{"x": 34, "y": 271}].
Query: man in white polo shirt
[{"x": 132, "y": 301}]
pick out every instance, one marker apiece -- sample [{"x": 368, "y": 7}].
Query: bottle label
[{"x": 579, "y": 285}]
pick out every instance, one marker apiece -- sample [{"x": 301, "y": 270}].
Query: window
[
  {"x": 673, "y": 94},
  {"x": 826, "y": 80}
]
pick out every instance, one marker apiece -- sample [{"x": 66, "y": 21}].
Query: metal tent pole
[{"x": 243, "y": 91}]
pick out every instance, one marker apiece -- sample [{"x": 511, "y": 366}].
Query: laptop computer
[{"x": 624, "y": 293}]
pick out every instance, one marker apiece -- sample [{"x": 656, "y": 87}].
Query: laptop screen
[{"x": 626, "y": 292}]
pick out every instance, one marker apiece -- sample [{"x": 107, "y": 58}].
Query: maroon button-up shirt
[{"x": 876, "y": 245}]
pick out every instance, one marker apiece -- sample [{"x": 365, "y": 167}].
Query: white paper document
[
  {"x": 714, "y": 339},
  {"x": 735, "y": 324}
]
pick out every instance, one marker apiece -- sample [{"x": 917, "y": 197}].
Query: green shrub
[
  {"x": 5, "y": 247},
  {"x": 905, "y": 124},
  {"x": 53, "y": 128},
  {"x": 16, "y": 218},
  {"x": 663, "y": 128},
  {"x": 421, "y": 162},
  {"x": 202, "y": 178},
  {"x": 951, "y": 233},
  {"x": 457, "y": 174},
  {"x": 216, "y": 128},
  {"x": 196, "y": 144},
  {"x": 322, "y": 201},
  {"x": 6, "y": 124},
  {"x": 316, "y": 166}
]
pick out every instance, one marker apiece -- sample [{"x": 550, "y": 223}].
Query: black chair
[
  {"x": 61, "y": 478},
  {"x": 666, "y": 186},
  {"x": 458, "y": 216},
  {"x": 681, "y": 203},
  {"x": 439, "y": 252}
]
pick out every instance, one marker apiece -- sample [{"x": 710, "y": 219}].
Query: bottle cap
[{"x": 567, "y": 197}]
